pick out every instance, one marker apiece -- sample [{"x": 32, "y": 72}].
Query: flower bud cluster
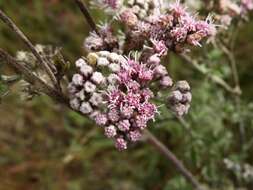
[
  {"x": 104, "y": 40},
  {"x": 143, "y": 8},
  {"x": 115, "y": 92},
  {"x": 175, "y": 28},
  {"x": 180, "y": 98}
]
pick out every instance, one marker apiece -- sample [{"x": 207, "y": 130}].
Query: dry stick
[
  {"x": 87, "y": 15},
  {"x": 172, "y": 158},
  {"x": 28, "y": 43},
  {"x": 31, "y": 78},
  {"x": 214, "y": 78}
]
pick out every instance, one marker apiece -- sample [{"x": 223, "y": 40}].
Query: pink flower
[
  {"x": 148, "y": 110},
  {"x": 160, "y": 71},
  {"x": 124, "y": 76},
  {"x": 120, "y": 144},
  {"x": 129, "y": 18},
  {"x": 189, "y": 23},
  {"x": 147, "y": 94},
  {"x": 206, "y": 28},
  {"x": 160, "y": 47},
  {"x": 101, "y": 119},
  {"x": 145, "y": 74},
  {"x": 166, "y": 81},
  {"x": 124, "y": 125},
  {"x": 178, "y": 9},
  {"x": 110, "y": 131},
  {"x": 127, "y": 111},
  {"x": 154, "y": 60},
  {"x": 115, "y": 98},
  {"x": 133, "y": 85},
  {"x": 132, "y": 99},
  {"x": 141, "y": 122},
  {"x": 113, "y": 115},
  {"x": 179, "y": 34},
  {"x": 135, "y": 135}
]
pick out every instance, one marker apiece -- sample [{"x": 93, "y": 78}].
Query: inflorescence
[
  {"x": 117, "y": 93},
  {"x": 123, "y": 94}
]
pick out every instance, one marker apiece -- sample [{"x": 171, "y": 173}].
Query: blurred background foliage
[{"x": 45, "y": 146}]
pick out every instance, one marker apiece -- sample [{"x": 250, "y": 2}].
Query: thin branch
[
  {"x": 173, "y": 159},
  {"x": 232, "y": 61},
  {"x": 31, "y": 78},
  {"x": 87, "y": 15},
  {"x": 235, "y": 74},
  {"x": 213, "y": 78},
  {"x": 28, "y": 43}
]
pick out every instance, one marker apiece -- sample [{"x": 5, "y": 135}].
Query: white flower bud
[
  {"x": 96, "y": 99},
  {"x": 80, "y": 62},
  {"x": 114, "y": 57},
  {"x": 77, "y": 79},
  {"x": 86, "y": 70},
  {"x": 86, "y": 108},
  {"x": 98, "y": 78},
  {"x": 114, "y": 67},
  {"x": 104, "y": 53},
  {"x": 89, "y": 87},
  {"x": 160, "y": 70},
  {"x": 80, "y": 95},
  {"x": 72, "y": 88},
  {"x": 102, "y": 61},
  {"x": 75, "y": 104},
  {"x": 113, "y": 78}
]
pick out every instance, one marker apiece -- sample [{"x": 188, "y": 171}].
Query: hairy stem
[
  {"x": 28, "y": 43},
  {"x": 87, "y": 15},
  {"x": 173, "y": 159}
]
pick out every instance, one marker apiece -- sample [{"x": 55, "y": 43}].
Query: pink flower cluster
[
  {"x": 117, "y": 99},
  {"x": 116, "y": 93},
  {"x": 129, "y": 103},
  {"x": 175, "y": 28}
]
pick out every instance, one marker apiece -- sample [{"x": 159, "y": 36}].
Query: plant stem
[
  {"x": 173, "y": 159},
  {"x": 213, "y": 78},
  {"x": 31, "y": 78},
  {"x": 87, "y": 15},
  {"x": 43, "y": 62}
]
